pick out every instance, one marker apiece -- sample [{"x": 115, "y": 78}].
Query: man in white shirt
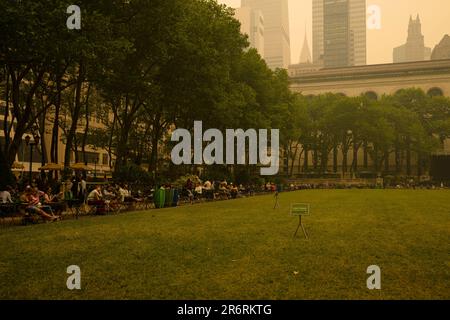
[
  {"x": 124, "y": 193},
  {"x": 198, "y": 191},
  {"x": 96, "y": 194},
  {"x": 82, "y": 188},
  {"x": 208, "y": 190},
  {"x": 95, "y": 198},
  {"x": 5, "y": 196}
]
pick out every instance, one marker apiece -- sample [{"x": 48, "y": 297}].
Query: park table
[
  {"x": 15, "y": 208},
  {"x": 74, "y": 204},
  {"x": 58, "y": 206},
  {"x": 9, "y": 208}
]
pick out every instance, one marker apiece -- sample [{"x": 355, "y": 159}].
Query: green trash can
[
  {"x": 169, "y": 197},
  {"x": 159, "y": 198}
]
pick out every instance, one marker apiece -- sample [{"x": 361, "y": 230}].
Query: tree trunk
[
  {"x": 6, "y": 129},
  {"x": 86, "y": 128},
  {"x": 366, "y": 156},
  {"x": 306, "y": 160},
  {"x": 315, "y": 158},
  {"x": 23, "y": 118},
  {"x": 122, "y": 147},
  {"x": 55, "y": 129},
  {"x": 386, "y": 161},
  {"x": 335, "y": 159},
  {"x": 375, "y": 159},
  {"x": 355, "y": 158},
  {"x": 110, "y": 142},
  {"x": 344, "y": 161},
  {"x": 5, "y": 172},
  {"x": 75, "y": 116},
  {"x": 324, "y": 160},
  {"x": 420, "y": 164},
  {"x": 291, "y": 171},
  {"x": 398, "y": 167},
  {"x": 153, "y": 165},
  {"x": 408, "y": 157}
]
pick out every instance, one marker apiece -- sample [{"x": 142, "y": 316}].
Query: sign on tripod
[{"x": 300, "y": 209}]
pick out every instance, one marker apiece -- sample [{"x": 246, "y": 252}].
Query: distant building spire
[
  {"x": 414, "y": 49},
  {"x": 305, "y": 55}
]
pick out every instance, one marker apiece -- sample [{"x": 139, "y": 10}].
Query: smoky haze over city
[
  {"x": 380, "y": 43},
  {"x": 234, "y": 158}
]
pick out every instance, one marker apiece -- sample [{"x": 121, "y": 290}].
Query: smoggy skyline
[{"x": 380, "y": 43}]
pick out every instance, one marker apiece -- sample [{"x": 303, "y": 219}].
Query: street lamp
[
  {"x": 31, "y": 144},
  {"x": 95, "y": 168}
]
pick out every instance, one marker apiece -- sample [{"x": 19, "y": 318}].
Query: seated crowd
[
  {"x": 50, "y": 204},
  {"x": 215, "y": 190}
]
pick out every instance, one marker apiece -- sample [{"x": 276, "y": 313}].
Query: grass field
[{"x": 241, "y": 249}]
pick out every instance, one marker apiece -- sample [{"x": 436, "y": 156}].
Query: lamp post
[
  {"x": 95, "y": 168},
  {"x": 350, "y": 133},
  {"x": 31, "y": 144}
]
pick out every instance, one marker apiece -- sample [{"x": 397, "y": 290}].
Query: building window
[
  {"x": 24, "y": 153},
  {"x": 2, "y": 109},
  {"x": 91, "y": 157},
  {"x": 371, "y": 95},
  {"x": 435, "y": 92},
  {"x": 105, "y": 159}
]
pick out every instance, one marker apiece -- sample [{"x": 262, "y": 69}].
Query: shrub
[{"x": 133, "y": 175}]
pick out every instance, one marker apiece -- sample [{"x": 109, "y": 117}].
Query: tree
[{"x": 27, "y": 50}]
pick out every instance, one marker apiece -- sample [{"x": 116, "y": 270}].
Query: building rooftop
[{"x": 376, "y": 70}]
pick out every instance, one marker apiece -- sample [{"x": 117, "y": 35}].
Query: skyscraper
[
  {"x": 358, "y": 32},
  {"x": 317, "y": 8},
  {"x": 339, "y": 32},
  {"x": 414, "y": 49},
  {"x": 336, "y": 34},
  {"x": 252, "y": 24},
  {"x": 277, "y": 48},
  {"x": 305, "y": 55},
  {"x": 442, "y": 49},
  {"x": 305, "y": 64}
]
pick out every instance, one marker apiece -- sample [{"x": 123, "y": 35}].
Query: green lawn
[{"x": 241, "y": 249}]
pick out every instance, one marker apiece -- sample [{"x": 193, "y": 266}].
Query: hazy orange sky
[{"x": 434, "y": 14}]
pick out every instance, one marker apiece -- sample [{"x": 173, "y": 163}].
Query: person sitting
[
  {"x": 188, "y": 194},
  {"x": 123, "y": 193},
  {"x": 67, "y": 190},
  {"x": 198, "y": 191},
  {"x": 207, "y": 185},
  {"x": 31, "y": 198},
  {"x": 108, "y": 193},
  {"x": 223, "y": 190},
  {"x": 209, "y": 191},
  {"x": 5, "y": 195},
  {"x": 189, "y": 185},
  {"x": 233, "y": 191},
  {"x": 52, "y": 200},
  {"x": 242, "y": 189},
  {"x": 42, "y": 196},
  {"x": 82, "y": 189},
  {"x": 95, "y": 198},
  {"x": 50, "y": 197}
]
